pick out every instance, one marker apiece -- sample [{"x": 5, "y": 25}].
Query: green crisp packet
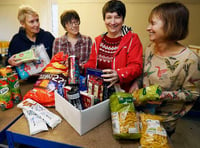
[
  {"x": 125, "y": 122},
  {"x": 26, "y": 56}
]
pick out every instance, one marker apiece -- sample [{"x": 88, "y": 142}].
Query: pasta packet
[
  {"x": 50, "y": 118},
  {"x": 125, "y": 123},
  {"x": 153, "y": 134},
  {"x": 150, "y": 93},
  {"x": 36, "y": 124}
]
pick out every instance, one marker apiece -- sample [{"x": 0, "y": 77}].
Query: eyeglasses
[{"x": 74, "y": 23}]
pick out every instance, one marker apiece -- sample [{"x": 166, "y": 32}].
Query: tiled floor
[{"x": 187, "y": 134}]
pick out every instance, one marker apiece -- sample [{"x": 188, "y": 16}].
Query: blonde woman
[{"x": 29, "y": 35}]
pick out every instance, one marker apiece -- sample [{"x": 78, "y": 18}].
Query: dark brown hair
[
  {"x": 175, "y": 17},
  {"x": 67, "y": 16},
  {"x": 114, "y": 6}
]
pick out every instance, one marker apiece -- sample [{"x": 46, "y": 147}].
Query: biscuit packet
[
  {"x": 26, "y": 56},
  {"x": 49, "y": 117},
  {"x": 36, "y": 124},
  {"x": 125, "y": 123}
]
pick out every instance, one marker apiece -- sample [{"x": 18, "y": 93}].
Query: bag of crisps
[
  {"x": 43, "y": 91},
  {"x": 57, "y": 65},
  {"x": 51, "y": 78},
  {"x": 125, "y": 123}
]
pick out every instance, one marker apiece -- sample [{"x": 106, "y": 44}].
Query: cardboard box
[{"x": 82, "y": 120}]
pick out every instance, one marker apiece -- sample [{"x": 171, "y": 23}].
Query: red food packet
[
  {"x": 42, "y": 96},
  {"x": 87, "y": 100}
]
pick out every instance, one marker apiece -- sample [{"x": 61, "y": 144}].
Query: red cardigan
[{"x": 127, "y": 60}]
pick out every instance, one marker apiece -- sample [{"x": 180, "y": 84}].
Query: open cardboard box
[{"x": 82, "y": 120}]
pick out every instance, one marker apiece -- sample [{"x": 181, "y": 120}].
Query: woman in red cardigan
[{"x": 118, "y": 52}]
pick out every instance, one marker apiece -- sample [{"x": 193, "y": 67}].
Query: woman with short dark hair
[
  {"x": 118, "y": 52},
  {"x": 73, "y": 42}
]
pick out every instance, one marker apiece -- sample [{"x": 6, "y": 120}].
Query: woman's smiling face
[
  {"x": 113, "y": 23},
  {"x": 32, "y": 24},
  {"x": 156, "y": 29}
]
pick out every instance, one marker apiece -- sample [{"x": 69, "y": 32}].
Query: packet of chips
[
  {"x": 5, "y": 94},
  {"x": 153, "y": 134},
  {"x": 57, "y": 65},
  {"x": 43, "y": 91},
  {"x": 125, "y": 123},
  {"x": 150, "y": 93}
]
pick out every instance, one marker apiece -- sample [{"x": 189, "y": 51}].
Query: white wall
[
  {"x": 90, "y": 12},
  {"x": 9, "y": 24}
]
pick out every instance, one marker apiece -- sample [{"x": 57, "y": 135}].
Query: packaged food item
[
  {"x": 5, "y": 94},
  {"x": 125, "y": 123},
  {"x": 50, "y": 118},
  {"x": 57, "y": 65},
  {"x": 90, "y": 84},
  {"x": 36, "y": 124},
  {"x": 31, "y": 68},
  {"x": 5, "y": 70},
  {"x": 74, "y": 74},
  {"x": 27, "y": 56},
  {"x": 150, "y": 93},
  {"x": 83, "y": 83},
  {"x": 14, "y": 87},
  {"x": 74, "y": 97},
  {"x": 87, "y": 99},
  {"x": 97, "y": 87},
  {"x": 42, "y": 96},
  {"x": 43, "y": 91},
  {"x": 107, "y": 92},
  {"x": 65, "y": 90},
  {"x": 153, "y": 134}
]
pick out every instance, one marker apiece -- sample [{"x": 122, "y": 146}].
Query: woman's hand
[
  {"x": 111, "y": 76},
  {"x": 13, "y": 61},
  {"x": 134, "y": 87}
]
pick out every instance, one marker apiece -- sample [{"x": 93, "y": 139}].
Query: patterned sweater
[{"x": 179, "y": 78}]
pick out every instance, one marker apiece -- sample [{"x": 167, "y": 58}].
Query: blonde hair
[{"x": 24, "y": 10}]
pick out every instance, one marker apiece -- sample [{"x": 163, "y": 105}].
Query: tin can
[
  {"x": 74, "y": 74},
  {"x": 74, "y": 97}
]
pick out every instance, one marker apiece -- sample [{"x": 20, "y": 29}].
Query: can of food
[
  {"x": 74, "y": 74},
  {"x": 74, "y": 97}
]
